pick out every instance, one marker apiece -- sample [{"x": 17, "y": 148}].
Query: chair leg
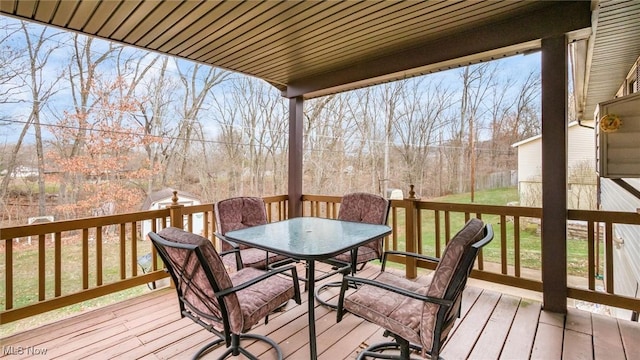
[
  {"x": 322, "y": 287},
  {"x": 235, "y": 349},
  {"x": 376, "y": 350},
  {"x": 208, "y": 347}
]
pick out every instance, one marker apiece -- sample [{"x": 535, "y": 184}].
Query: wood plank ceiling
[
  {"x": 278, "y": 41},
  {"x": 313, "y": 48}
]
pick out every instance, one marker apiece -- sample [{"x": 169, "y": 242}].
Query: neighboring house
[
  {"x": 162, "y": 198},
  {"x": 581, "y": 162},
  {"x": 623, "y": 170},
  {"x": 24, "y": 171},
  {"x": 626, "y": 249}
]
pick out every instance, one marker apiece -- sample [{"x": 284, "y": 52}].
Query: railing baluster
[
  {"x": 99, "y": 276},
  {"x": 8, "y": 276},
  {"x": 419, "y": 229},
  {"x": 134, "y": 249},
  {"x": 447, "y": 227},
  {"x": 269, "y": 213},
  {"x": 123, "y": 252},
  {"x": 85, "y": 258},
  {"x": 503, "y": 243},
  {"x": 436, "y": 219},
  {"x": 57, "y": 264},
  {"x": 591, "y": 263},
  {"x": 608, "y": 255},
  {"x": 516, "y": 245},
  {"x": 41, "y": 267}
]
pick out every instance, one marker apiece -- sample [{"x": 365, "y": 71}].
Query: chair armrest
[
  {"x": 398, "y": 290},
  {"x": 294, "y": 274},
  {"x": 408, "y": 254},
  {"x": 234, "y": 250}
]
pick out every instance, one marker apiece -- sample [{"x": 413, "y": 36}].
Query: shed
[
  {"x": 581, "y": 159},
  {"x": 162, "y": 198}
]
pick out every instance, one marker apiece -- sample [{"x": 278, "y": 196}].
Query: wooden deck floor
[{"x": 492, "y": 326}]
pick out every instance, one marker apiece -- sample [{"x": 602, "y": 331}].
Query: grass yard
[
  {"x": 25, "y": 279},
  {"x": 530, "y": 241}
]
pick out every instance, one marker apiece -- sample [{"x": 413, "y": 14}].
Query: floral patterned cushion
[
  {"x": 260, "y": 299},
  {"x": 239, "y": 213},
  {"x": 367, "y": 208},
  {"x": 199, "y": 293},
  {"x": 246, "y": 307},
  {"x": 411, "y": 319},
  {"x": 251, "y": 257},
  {"x": 394, "y": 312},
  {"x": 443, "y": 274}
]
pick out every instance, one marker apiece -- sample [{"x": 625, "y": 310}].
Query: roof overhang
[
  {"x": 314, "y": 48},
  {"x": 602, "y": 61}
]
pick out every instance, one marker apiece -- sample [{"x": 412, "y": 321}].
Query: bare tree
[
  {"x": 424, "y": 114},
  {"x": 231, "y": 143},
  {"x": 476, "y": 82},
  {"x": 325, "y": 128},
  {"x": 41, "y": 85},
  {"x": 514, "y": 117},
  {"x": 155, "y": 119},
  {"x": 197, "y": 83},
  {"x": 11, "y": 56}
]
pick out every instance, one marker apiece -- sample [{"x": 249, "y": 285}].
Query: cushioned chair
[
  {"x": 239, "y": 213},
  {"x": 417, "y": 315},
  {"x": 366, "y": 208},
  {"x": 359, "y": 207},
  {"x": 227, "y": 305}
]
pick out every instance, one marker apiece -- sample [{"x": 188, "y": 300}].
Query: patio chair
[
  {"x": 419, "y": 316},
  {"x": 239, "y": 213},
  {"x": 359, "y": 207},
  {"x": 227, "y": 305}
]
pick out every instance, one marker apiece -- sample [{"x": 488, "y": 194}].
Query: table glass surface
[{"x": 309, "y": 237}]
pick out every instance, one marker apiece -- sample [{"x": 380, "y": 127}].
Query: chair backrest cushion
[
  {"x": 366, "y": 208},
  {"x": 239, "y": 213},
  {"x": 193, "y": 283},
  {"x": 445, "y": 272}
]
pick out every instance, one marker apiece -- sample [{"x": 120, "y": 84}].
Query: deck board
[
  {"x": 490, "y": 342},
  {"x": 492, "y": 326},
  {"x": 607, "y": 342},
  {"x": 519, "y": 342},
  {"x": 630, "y": 333},
  {"x": 577, "y": 345},
  {"x": 468, "y": 331}
]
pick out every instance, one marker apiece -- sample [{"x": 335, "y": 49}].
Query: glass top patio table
[{"x": 309, "y": 239}]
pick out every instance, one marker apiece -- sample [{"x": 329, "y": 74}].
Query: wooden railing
[
  {"x": 77, "y": 260},
  {"x": 433, "y": 224}
]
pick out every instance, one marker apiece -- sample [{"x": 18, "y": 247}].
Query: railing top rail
[
  {"x": 75, "y": 224},
  {"x": 617, "y": 217}
]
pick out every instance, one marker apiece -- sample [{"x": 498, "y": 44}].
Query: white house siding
[
  {"x": 626, "y": 256},
  {"x": 581, "y": 153}
]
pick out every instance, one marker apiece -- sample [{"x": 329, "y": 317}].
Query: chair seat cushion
[
  {"x": 365, "y": 254},
  {"x": 260, "y": 299},
  {"x": 397, "y": 313},
  {"x": 252, "y": 257}
]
